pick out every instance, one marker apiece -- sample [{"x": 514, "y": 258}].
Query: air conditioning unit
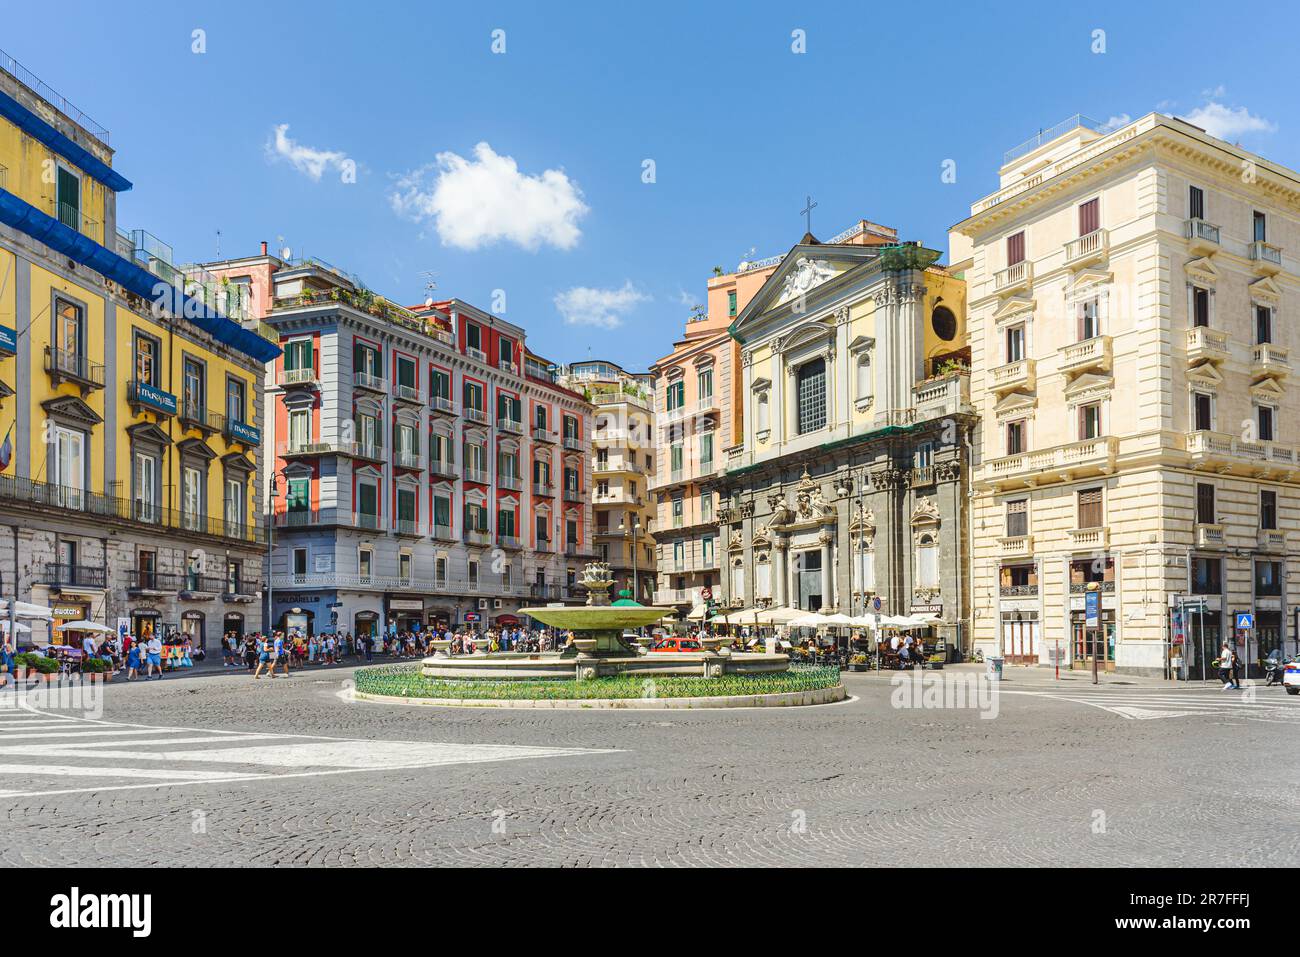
[
  {"x": 482, "y": 603},
  {"x": 496, "y": 602}
]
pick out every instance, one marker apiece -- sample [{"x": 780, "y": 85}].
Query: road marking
[
  {"x": 1174, "y": 703},
  {"x": 77, "y": 770}
]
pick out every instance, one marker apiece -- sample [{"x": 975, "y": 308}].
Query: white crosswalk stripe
[
  {"x": 1256, "y": 703},
  {"x": 46, "y": 754}
]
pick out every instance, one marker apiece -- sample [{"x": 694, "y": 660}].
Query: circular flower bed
[{"x": 406, "y": 681}]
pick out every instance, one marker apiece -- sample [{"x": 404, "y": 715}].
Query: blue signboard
[
  {"x": 154, "y": 398},
  {"x": 1092, "y": 609},
  {"x": 8, "y": 340},
  {"x": 245, "y": 433},
  {"x": 1245, "y": 621}
]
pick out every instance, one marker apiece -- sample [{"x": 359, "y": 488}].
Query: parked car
[
  {"x": 677, "y": 644},
  {"x": 1291, "y": 677}
]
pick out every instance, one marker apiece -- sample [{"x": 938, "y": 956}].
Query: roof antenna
[
  {"x": 430, "y": 284},
  {"x": 218, "y": 244}
]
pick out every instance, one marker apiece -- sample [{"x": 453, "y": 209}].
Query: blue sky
[{"x": 592, "y": 260}]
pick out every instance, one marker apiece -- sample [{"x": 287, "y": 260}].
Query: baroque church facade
[{"x": 850, "y": 484}]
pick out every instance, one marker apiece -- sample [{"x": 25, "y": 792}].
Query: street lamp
[{"x": 273, "y": 492}]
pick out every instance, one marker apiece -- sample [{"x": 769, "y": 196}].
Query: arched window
[
  {"x": 738, "y": 580},
  {"x": 764, "y": 416},
  {"x": 863, "y": 374},
  {"x": 927, "y": 562},
  {"x": 812, "y": 396}
]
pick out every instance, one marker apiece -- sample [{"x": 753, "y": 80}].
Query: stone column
[
  {"x": 828, "y": 596},
  {"x": 780, "y": 571}
]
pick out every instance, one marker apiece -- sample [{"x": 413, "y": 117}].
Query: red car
[{"x": 677, "y": 644}]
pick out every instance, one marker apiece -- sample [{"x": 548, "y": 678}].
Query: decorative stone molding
[{"x": 807, "y": 275}]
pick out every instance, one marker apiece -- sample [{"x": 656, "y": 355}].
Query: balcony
[
  {"x": 65, "y": 366},
  {"x": 71, "y": 216},
  {"x": 442, "y": 405},
  {"x": 1269, "y": 359},
  {"x": 406, "y": 459},
  {"x": 705, "y": 404},
  {"x": 141, "y": 582},
  {"x": 1204, "y": 344},
  {"x": 511, "y": 542},
  {"x": 544, "y": 435},
  {"x": 478, "y": 536},
  {"x": 1017, "y": 278},
  {"x": 194, "y": 416},
  {"x": 443, "y": 469},
  {"x": 197, "y": 587},
  {"x": 513, "y": 426},
  {"x": 1089, "y": 249},
  {"x": 442, "y": 533},
  {"x": 1223, "y": 453},
  {"x": 477, "y": 416},
  {"x": 371, "y": 451},
  {"x": 937, "y": 398},
  {"x": 1202, "y": 237},
  {"x": 1012, "y": 376},
  {"x": 1095, "y": 539},
  {"x": 1061, "y": 462},
  {"x": 478, "y": 476},
  {"x": 404, "y": 394},
  {"x": 366, "y": 520},
  {"x": 477, "y": 354},
  {"x": 1209, "y": 536},
  {"x": 543, "y": 488},
  {"x": 923, "y": 476},
  {"x": 300, "y": 449},
  {"x": 573, "y": 443},
  {"x": 241, "y": 591},
  {"x": 407, "y": 527},
  {"x": 512, "y": 482},
  {"x": 145, "y": 396},
  {"x": 302, "y": 518},
  {"x": 71, "y": 577},
  {"x": 1271, "y": 540},
  {"x": 574, "y": 495},
  {"x": 298, "y": 378},
  {"x": 1090, "y": 355},
  {"x": 1018, "y": 591},
  {"x": 1266, "y": 257},
  {"x": 370, "y": 383}
]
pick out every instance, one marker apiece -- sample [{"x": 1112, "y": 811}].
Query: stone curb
[{"x": 787, "y": 699}]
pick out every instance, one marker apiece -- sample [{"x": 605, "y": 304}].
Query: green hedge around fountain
[{"x": 406, "y": 681}]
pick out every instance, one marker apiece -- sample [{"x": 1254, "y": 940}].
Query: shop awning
[{"x": 509, "y": 621}]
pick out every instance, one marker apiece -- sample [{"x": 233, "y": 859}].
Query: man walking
[
  {"x": 153, "y": 657},
  {"x": 1227, "y": 663}
]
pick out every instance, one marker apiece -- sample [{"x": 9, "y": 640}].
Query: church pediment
[
  {"x": 72, "y": 408},
  {"x": 805, "y": 268}
]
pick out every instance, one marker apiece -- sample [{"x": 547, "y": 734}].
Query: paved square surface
[{"x": 213, "y": 769}]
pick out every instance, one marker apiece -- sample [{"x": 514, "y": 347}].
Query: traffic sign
[
  {"x": 1245, "y": 621},
  {"x": 1092, "y": 609}
]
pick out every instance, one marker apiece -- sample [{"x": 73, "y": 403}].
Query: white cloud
[
  {"x": 1116, "y": 122},
  {"x": 604, "y": 308},
  {"x": 1227, "y": 122},
  {"x": 305, "y": 159},
  {"x": 475, "y": 202}
]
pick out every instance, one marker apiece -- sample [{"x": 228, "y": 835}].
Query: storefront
[
  {"x": 1021, "y": 637},
  {"x": 145, "y": 623},
  {"x": 299, "y": 621},
  {"x": 192, "y": 627},
  {"x": 366, "y": 623},
  {"x": 64, "y": 611},
  {"x": 407, "y": 614},
  {"x": 1086, "y": 642},
  {"x": 233, "y": 624},
  {"x": 439, "y": 618}
]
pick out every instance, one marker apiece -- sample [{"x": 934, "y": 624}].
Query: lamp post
[
  {"x": 273, "y": 492},
  {"x": 636, "y": 530}
]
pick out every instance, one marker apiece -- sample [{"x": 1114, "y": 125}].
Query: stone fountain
[{"x": 598, "y": 647}]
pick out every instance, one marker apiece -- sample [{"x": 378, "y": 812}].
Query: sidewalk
[{"x": 1036, "y": 676}]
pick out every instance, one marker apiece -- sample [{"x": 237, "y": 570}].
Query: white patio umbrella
[
  {"x": 84, "y": 626},
  {"x": 809, "y": 620},
  {"x": 778, "y": 616},
  {"x": 698, "y": 612},
  {"x": 838, "y": 620},
  {"x": 18, "y": 625},
  {"x": 25, "y": 609}
]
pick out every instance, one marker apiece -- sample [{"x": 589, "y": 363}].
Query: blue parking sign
[
  {"x": 1092, "y": 609},
  {"x": 1245, "y": 621}
]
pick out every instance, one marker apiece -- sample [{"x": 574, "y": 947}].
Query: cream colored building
[
  {"x": 622, "y": 468},
  {"x": 1129, "y": 295}
]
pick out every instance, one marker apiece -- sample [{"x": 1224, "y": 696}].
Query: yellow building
[
  {"x": 1128, "y": 295},
  {"x": 130, "y": 407}
]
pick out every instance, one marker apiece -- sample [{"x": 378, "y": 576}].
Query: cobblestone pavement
[{"x": 216, "y": 769}]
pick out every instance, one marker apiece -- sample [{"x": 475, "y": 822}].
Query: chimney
[{"x": 263, "y": 247}]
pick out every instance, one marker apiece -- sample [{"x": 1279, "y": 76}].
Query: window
[
  {"x": 368, "y": 499},
  {"x": 508, "y": 408},
  {"x": 507, "y": 352},
  {"x": 193, "y": 397},
  {"x": 472, "y": 576},
  {"x": 679, "y": 555},
  {"x": 298, "y": 494},
  {"x": 475, "y": 517},
  {"x": 1016, "y": 249},
  {"x": 764, "y": 417},
  {"x": 299, "y": 428},
  {"x": 678, "y": 512},
  {"x": 1195, "y": 202},
  {"x": 192, "y": 496},
  {"x": 406, "y": 372},
  {"x": 234, "y": 503},
  {"x": 811, "y": 394},
  {"x": 1203, "y": 411},
  {"x": 571, "y": 533},
  {"x": 506, "y": 522},
  {"x": 406, "y": 506},
  {"x": 570, "y": 427},
  {"x": 923, "y": 457},
  {"x": 235, "y": 401},
  {"x": 442, "y": 511},
  {"x": 1268, "y": 579},
  {"x": 1090, "y": 508},
  {"x": 862, "y": 370},
  {"x": 706, "y": 452},
  {"x": 69, "y": 198},
  {"x": 704, "y": 385},
  {"x": 1089, "y": 319},
  {"x": 1015, "y": 339},
  {"x": 300, "y": 562},
  {"x": 404, "y": 566},
  {"x": 363, "y": 562},
  {"x": 1260, "y": 227},
  {"x": 675, "y": 398},
  {"x": 473, "y": 396},
  {"x": 69, "y": 465},
  {"x": 473, "y": 336},
  {"x": 367, "y": 359},
  {"x": 927, "y": 562},
  {"x": 1205, "y": 514},
  {"x": 1089, "y": 217},
  {"x": 146, "y": 359},
  {"x": 706, "y": 550},
  {"x": 440, "y": 571},
  {"x": 1200, "y": 306},
  {"x": 675, "y": 459},
  {"x": 543, "y": 531},
  {"x": 1207, "y": 576},
  {"x": 1265, "y": 415},
  {"x": 298, "y": 354},
  {"x": 69, "y": 330},
  {"x": 146, "y": 487},
  {"x": 1267, "y": 509},
  {"x": 1090, "y": 421},
  {"x": 731, "y": 303},
  {"x": 1018, "y": 518},
  {"x": 1015, "y": 437},
  {"x": 1263, "y": 324},
  {"x": 706, "y": 507}
]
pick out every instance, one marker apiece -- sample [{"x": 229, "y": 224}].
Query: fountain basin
[{"x": 505, "y": 665}]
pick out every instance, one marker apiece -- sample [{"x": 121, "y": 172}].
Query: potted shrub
[
  {"x": 93, "y": 669},
  {"x": 48, "y": 668},
  {"x": 858, "y": 662},
  {"x": 936, "y": 662},
  {"x": 20, "y": 666}
]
